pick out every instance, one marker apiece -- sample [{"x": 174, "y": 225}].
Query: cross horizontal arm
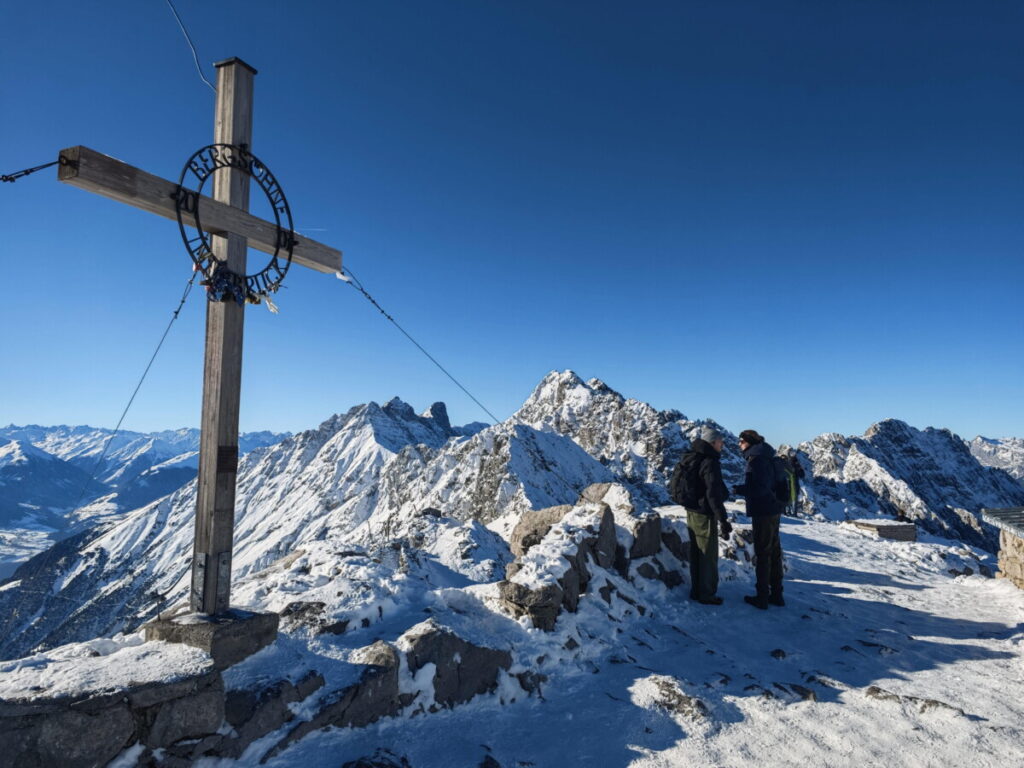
[{"x": 88, "y": 169}]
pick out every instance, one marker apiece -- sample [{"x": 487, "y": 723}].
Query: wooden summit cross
[{"x": 224, "y": 216}]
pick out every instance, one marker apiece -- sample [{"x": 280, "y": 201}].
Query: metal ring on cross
[{"x": 221, "y": 283}]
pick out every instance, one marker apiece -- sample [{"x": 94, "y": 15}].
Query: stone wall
[
  {"x": 172, "y": 723},
  {"x": 91, "y": 729},
  {"x": 1011, "y": 558}
]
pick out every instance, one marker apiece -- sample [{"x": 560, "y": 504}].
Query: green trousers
[{"x": 703, "y": 554}]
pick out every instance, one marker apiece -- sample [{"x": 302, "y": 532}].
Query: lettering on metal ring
[{"x": 222, "y": 284}]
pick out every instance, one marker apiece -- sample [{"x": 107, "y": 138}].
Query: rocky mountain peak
[
  {"x": 397, "y": 408},
  {"x": 438, "y": 413},
  {"x": 892, "y": 429}
]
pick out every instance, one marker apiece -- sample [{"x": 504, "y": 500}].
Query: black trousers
[{"x": 767, "y": 555}]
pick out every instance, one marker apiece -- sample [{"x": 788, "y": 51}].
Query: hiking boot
[
  {"x": 713, "y": 600},
  {"x": 777, "y": 600},
  {"x": 758, "y": 601}
]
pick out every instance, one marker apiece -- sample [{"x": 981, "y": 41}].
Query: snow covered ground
[{"x": 881, "y": 657}]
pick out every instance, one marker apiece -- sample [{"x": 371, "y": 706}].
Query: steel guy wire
[
  {"x": 347, "y": 275},
  {"x": 106, "y": 446},
  {"x": 195, "y": 56},
  {"x": 12, "y": 177}
]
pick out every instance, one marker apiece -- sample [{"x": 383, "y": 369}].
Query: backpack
[
  {"x": 686, "y": 487},
  {"x": 782, "y": 480}
]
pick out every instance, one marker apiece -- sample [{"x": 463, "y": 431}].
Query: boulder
[
  {"x": 646, "y": 533},
  {"x": 533, "y": 526},
  {"x": 541, "y": 605},
  {"x": 604, "y": 545},
  {"x": 543, "y": 602},
  {"x": 594, "y": 493},
  {"x": 673, "y": 542},
  {"x": 255, "y": 713},
  {"x": 461, "y": 670},
  {"x": 373, "y": 696}
]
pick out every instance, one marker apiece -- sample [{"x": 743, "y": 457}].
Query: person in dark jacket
[
  {"x": 765, "y": 510},
  {"x": 798, "y": 475},
  {"x": 703, "y": 496}
]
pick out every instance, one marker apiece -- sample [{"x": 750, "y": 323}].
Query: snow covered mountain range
[
  {"x": 929, "y": 476},
  {"x": 321, "y": 513},
  {"x": 52, "y": 482},
  {"x": 1005, "y": 453}
]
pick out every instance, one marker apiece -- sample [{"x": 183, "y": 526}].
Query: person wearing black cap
[
  {"x": 698, "y": 486},
  {"x": 764, "y": 509}
]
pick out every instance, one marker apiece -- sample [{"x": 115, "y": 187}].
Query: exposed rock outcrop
[
  {"x": 461, "y": 670},
  {"x": 603, "y": 530}
]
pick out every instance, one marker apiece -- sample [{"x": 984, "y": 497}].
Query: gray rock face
[
  {"x": 1006, "y": 453},
  {"x": 462, "y": 670},
  {"x": 541, "y": 605},
  {"x": 254, "y": 714},
  {"x": 374, "y": 696},
  {"x": 643, "y": 543},
  {"x": 673, "y": 542},
  {"x": 639, "y": 444},
  {"x": 533, "y": 525},
  {"x": 646, "y": 537}
]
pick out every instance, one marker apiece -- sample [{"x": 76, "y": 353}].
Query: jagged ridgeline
[{"x": 349, "y": 508}]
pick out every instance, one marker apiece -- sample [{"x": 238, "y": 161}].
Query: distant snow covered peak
[
  {"x": 560, "y": 392},
  {"x": 1006, "y": 453},
  {"x": 20, "y": 452},
  {"x": 927, "y": 475},
  {"x": 438, "y": 413},
  {"x": 638, "y": 443}
]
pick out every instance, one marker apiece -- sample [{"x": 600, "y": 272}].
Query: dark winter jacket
[
  {"x": 759, "y": 483},
  {"x": 715, "y": 491}
]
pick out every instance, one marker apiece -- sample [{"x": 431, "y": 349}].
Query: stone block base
[
  {"x": 1011, "y": 558},
  {"x": 228, "y": 638}
]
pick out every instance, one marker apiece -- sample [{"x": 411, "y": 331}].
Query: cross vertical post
[{"x": 222, "y": 374}]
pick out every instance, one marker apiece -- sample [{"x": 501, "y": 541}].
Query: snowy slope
[
  {"x": 1006, "y": 453},
  {"x": 882, "y": 657},
  {"x": 887, "y": 653}
]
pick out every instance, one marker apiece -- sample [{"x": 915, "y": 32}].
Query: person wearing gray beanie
[
  {"x": 697, "y": 486},
  {"x": 711, "y": 435}
]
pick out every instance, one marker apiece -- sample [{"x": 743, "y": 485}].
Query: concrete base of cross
[{"x": 228, "y": 638}]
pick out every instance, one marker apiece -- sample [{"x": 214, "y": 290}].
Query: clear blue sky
[{"x": 797, "y": 217}]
